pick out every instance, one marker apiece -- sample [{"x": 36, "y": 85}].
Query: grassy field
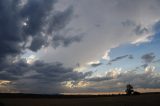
[{"x": 151, "y": 99}]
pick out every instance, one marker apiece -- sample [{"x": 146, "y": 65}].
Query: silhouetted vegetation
[
  {"x": 1, "y": 104},
  {"x": 129, "y": 90}
]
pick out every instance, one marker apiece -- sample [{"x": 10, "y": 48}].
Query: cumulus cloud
[
  {"x": 110, "y": 75},
  {"x": 75, "y": 84},
  {"x": 116, "y": 80}
]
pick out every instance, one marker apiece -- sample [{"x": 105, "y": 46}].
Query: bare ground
[{"x": 135, "y": 100}]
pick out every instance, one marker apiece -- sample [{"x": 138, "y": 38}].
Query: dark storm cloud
[
  {"x": 148, "y": 58},
  {"x": 60, "y": 20},
  {"x": 59, "y": 40},
  {"x": 12, "y": 71},
  {"x": 119, "y": 58},
  {"x": 38, "y": 42},
  {"x": 35, "y": 12},
  {"x": 56, "y": 72},
  {"x": 36, "y": 19},
  {"x": 9, "y": 28},
  {"x": 39, "y": 74},
  {"x": 32, "y": 25}
]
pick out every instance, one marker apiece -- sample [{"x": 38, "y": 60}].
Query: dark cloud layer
[
  {"x": 41, "y": 74},
  {"x": 65, "y": 41},
  {"x": 36, "y": 19}
]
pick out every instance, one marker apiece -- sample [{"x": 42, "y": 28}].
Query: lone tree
[{"x": 129, "y": 89}]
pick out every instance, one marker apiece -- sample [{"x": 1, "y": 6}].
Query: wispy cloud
[{"x": 120, "y": 58}]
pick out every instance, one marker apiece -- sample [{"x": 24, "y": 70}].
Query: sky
[{"x": 79, "y": 46}]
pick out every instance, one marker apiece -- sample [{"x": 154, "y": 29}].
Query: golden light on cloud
[
  {"x": 74, "y": 84},
  {"x": 4, "y": 82},
  {"x": 114, "y": 72},
  {"x": 6, "y": 87}
]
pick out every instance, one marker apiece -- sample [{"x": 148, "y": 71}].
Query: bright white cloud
[
  {"x": 74, "y": 84},
  {"x": 143, "y": 38},
  {"x": 114, "y": 73},
  {"x": 93, "y": 62},
  {"x": 149, "y": 69},
  {"x": 31, "y": 59},
  {"x": 106, "y": 55},
  {"x": 102, "y": 23}
]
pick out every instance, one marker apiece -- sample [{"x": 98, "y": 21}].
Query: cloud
[
  {"x": 41, "y": 74},
  {"x": 148, "y": 58},
  {"x": 119, "y": 58},
  {"x": 4, "y": 82},
  {"x": 149, "y": 78},
  {"x": 65, "y": 41},
  {"x": 37, "y": 20},
  {"x": 38, "y": 42},
  {"x": 35, "y": 25},
  {"x": 75, "y": 84},
  {"x": 60, "y": 20},
  {"x": 106, "y": 55},
  {"x": 139, "y": 30},
  {"x": 125, "y": 25},
  {"x": 5, "y": 87},
  {"x": 110, "y": 75},
  {"x": 145, "y": 34},
  {"x": 95, "y": 63}
]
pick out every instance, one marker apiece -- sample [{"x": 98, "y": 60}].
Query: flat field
[{"x": 152, "y": 99}]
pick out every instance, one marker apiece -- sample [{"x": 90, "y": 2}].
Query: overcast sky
[{"x": 65, "y": 46}]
